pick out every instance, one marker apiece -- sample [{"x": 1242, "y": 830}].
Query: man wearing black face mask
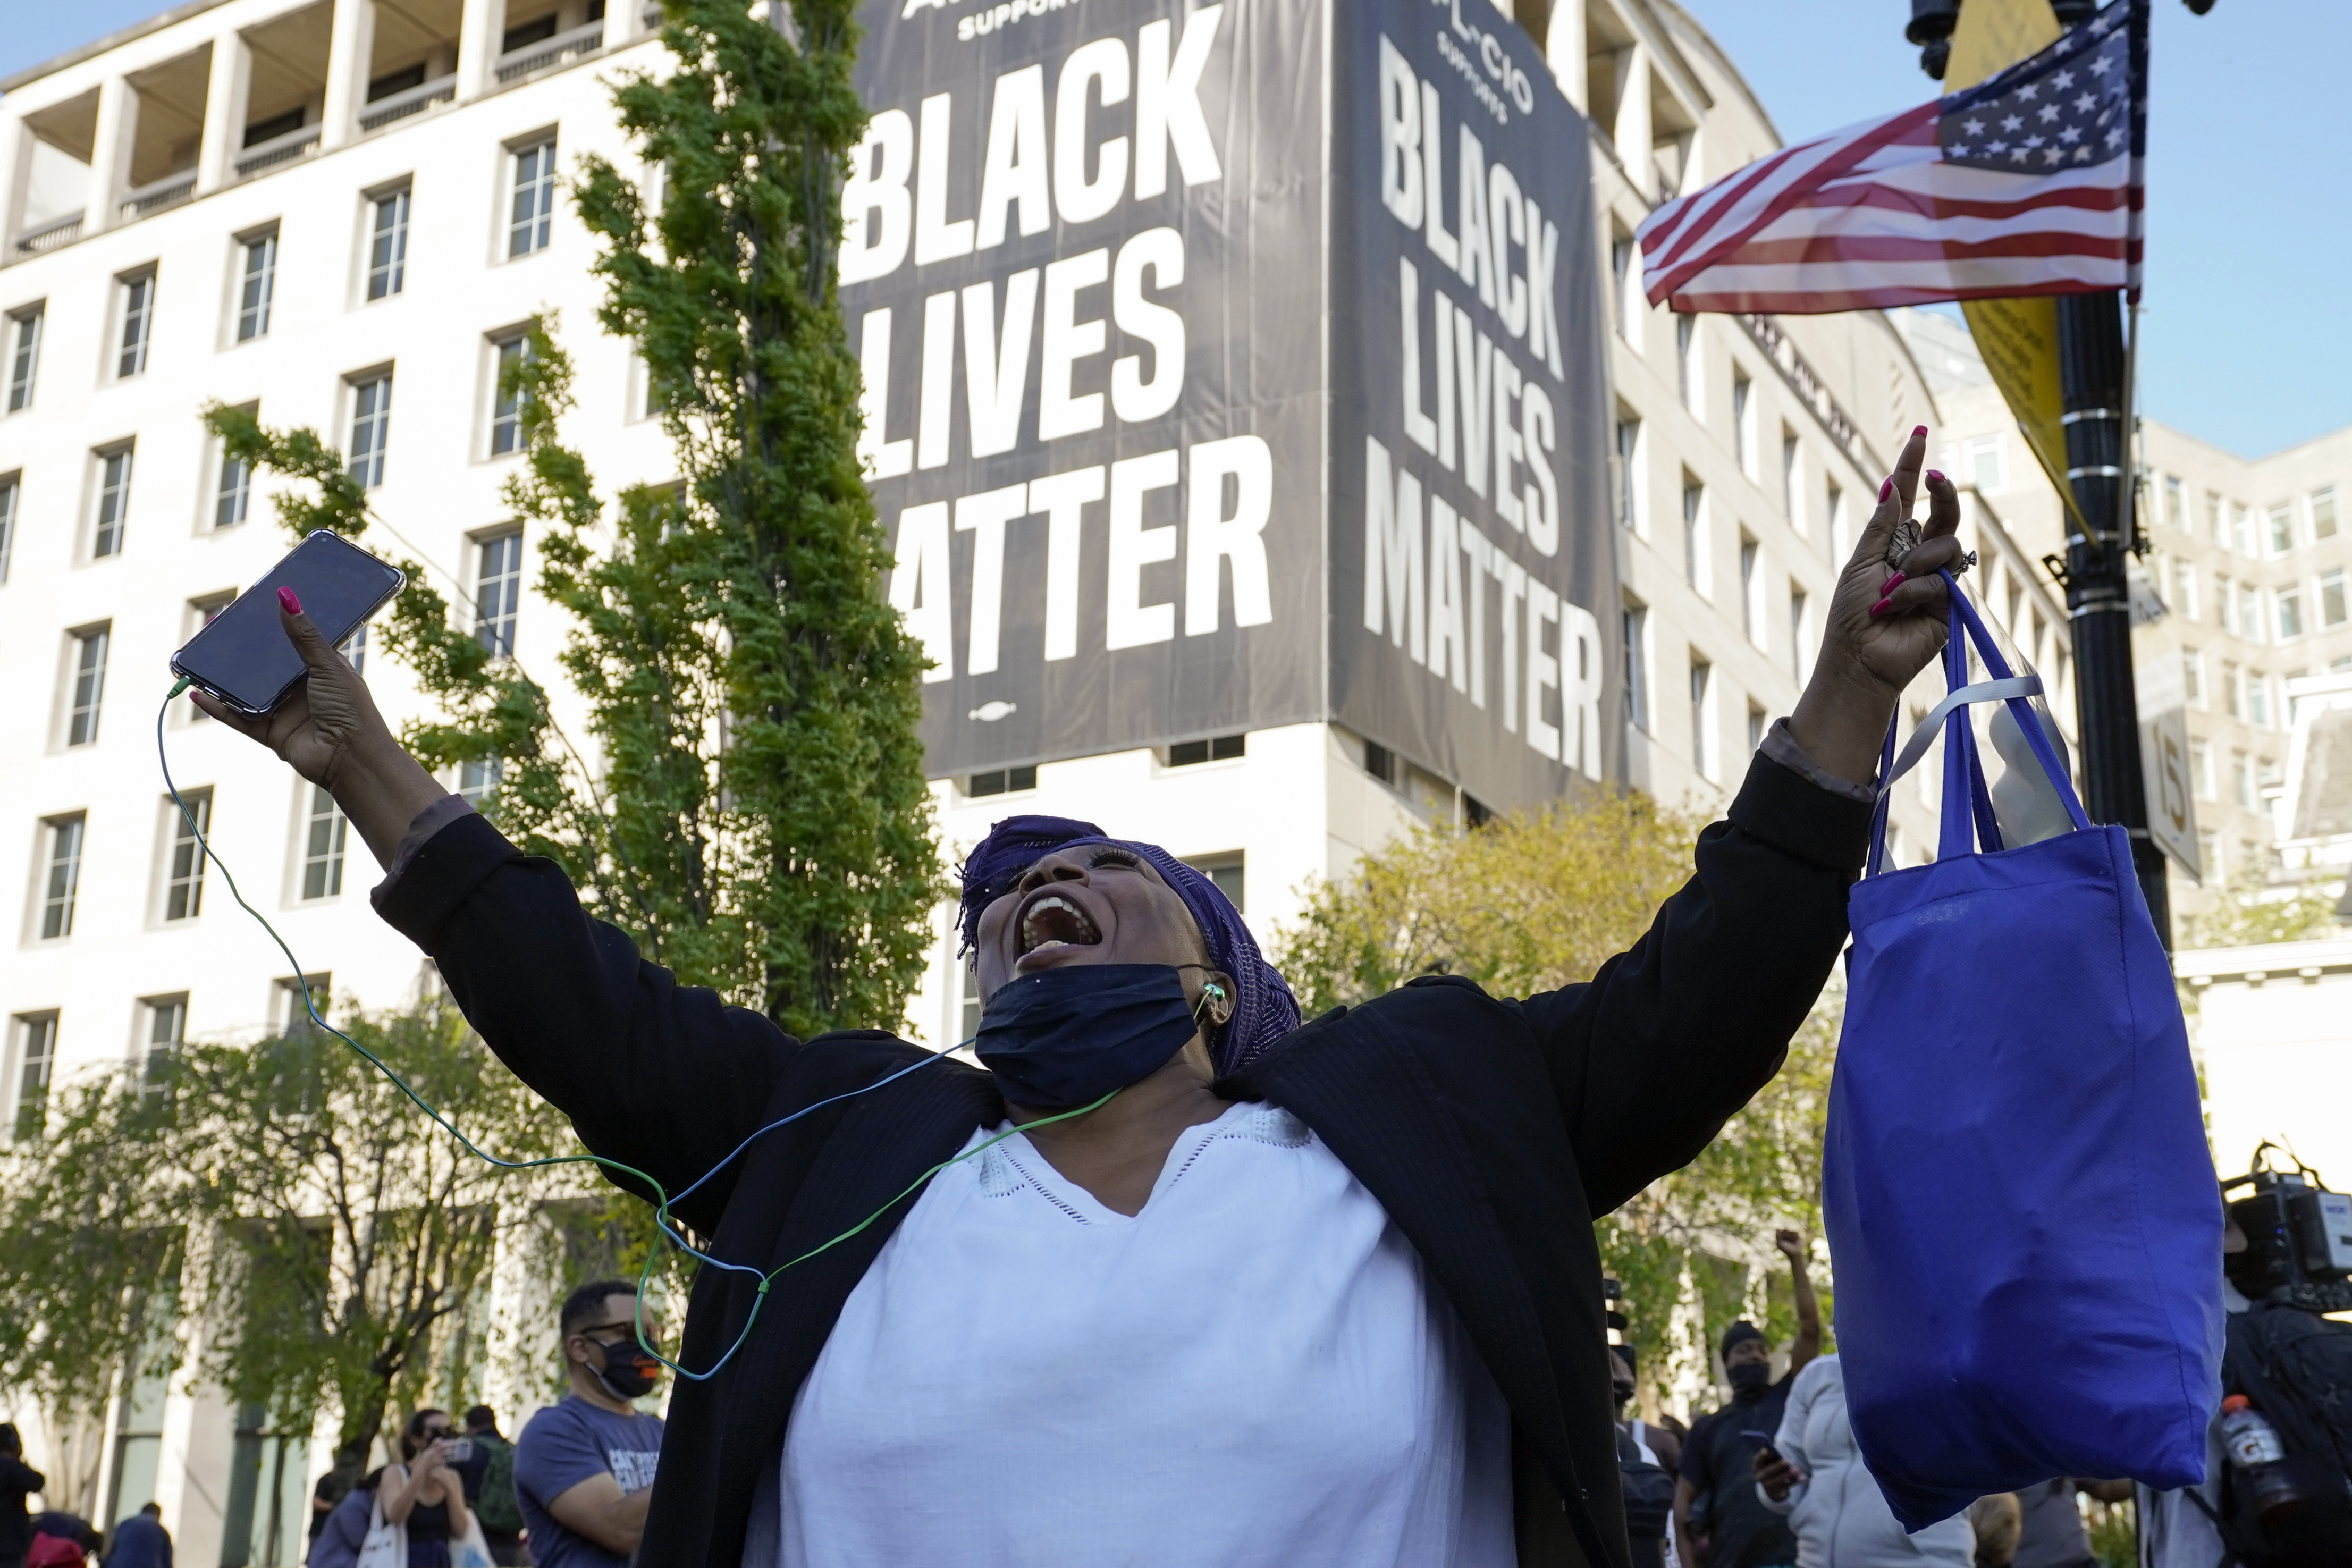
[
  {"x": 584, "y": 1466},
  {"x": 1719, "y": 1523}
]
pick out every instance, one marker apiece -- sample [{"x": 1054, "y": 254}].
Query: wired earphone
[{"x": 666, "y": 1201}]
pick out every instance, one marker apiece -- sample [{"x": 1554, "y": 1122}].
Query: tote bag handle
[{"x": 1967, "y": 803}]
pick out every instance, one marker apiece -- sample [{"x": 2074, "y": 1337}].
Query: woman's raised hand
[
  {"x": 328, "y": 730},
  {"x": 1885, "y": 622}
]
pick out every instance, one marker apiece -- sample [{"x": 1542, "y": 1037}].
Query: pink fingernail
[
  {"x": 288, "y": 601},
  {"x": 1919, "y": 429},
  {"x": 1879, "y": 609},
  {"x": 1935, "y": 476},
  {"x": 1887, "y": 588},
  {"x": 1885, "y": 488}
]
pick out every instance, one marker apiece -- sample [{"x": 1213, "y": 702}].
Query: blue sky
[{"x": 2250, "y": 208}]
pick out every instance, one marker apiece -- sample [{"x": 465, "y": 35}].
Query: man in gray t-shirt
[{"x": 584, "y": 1466}]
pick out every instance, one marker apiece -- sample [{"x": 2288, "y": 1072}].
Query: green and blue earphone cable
[{"x": 662, "y": 1209}]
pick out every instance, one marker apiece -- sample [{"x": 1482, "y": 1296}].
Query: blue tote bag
[{"x": 2020, "y": 1203}]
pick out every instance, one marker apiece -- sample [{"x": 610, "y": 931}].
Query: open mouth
[{"x": 1053, "y": 920}]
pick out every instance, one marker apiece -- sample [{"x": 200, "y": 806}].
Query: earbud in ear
[{"x": 1213, "y": 989}]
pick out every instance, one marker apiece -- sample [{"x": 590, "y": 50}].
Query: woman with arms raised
[{"x": 1314, "y": 1297}]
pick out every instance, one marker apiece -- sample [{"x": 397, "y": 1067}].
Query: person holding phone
[
  {"x": 422, "y": 1493},
  {"x": 962, "y": 1358},
  {"x": 1813, "y": 1474},
  {"x": 1718, "y": 1521}
]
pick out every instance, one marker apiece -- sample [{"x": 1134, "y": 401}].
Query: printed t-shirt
[{"x": 564, "y": 1445}]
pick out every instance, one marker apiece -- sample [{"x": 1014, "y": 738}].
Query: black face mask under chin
[
  {"x": 1065, "y": 1036},
  {"x": 1750, "y": 1380}
]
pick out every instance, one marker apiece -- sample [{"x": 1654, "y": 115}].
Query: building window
[
  {"x": 1685, "y": 364},
  {"x": 2242, "y": 779},
  {"x": 2232, "y": 698},
  {"x": 2242, "y": 519},
  {"x": 2192, "y": 677},
  {"x": 1227, "y": 871},
  {"x": 260, "y": 281},
  {"x": 2215, "y": 522},
  {"x": 183, "y": 887},
  {"x": 479, "y": 782},
  {"x": 2258, "y": 699},
  {"x": 1695, "y": 533},
  {"x": 2201, "y": 769},
  {"x": 137, "y": 318},
  {"x": 1380, "y": 762},
  {"x": 371, "y": 428},
  {"x": 2323, "y": 513},
  {"x": 324, "y": 828},
  {"x": 291, "y": 1008},
  {"x": 2281, "y": 518},
  {"x": 24, "y": 356},
  {"x": 388, "y": 246},
  {"x": 1986, "y": 458},
  {"x": 2184, "y": 589},
  {"x": 167, "y": 1030},
  {"x": 1635, "y": 622},
  {"x": 534, "y": 199},
  {"x": 355, "y": 649},
  {"x": 1752, "y": 614},
  {"x": 88, "y": 686},
  {"x": 2175, "y": 505},
  {"x": 505, "y": 404},
  {"x": 2290, "y": 614},
  {"x": 1797, "y": 605},
  {"x": 2331, "y": 594},
  {"x": 1629, "y": 472},
  {"x": 62, "y": 881},
  {"x": 1833, "y": 519},
  {"x": 113, "y": 502},
  {"x": 2250, "y": 611},
  {"x": 36, "y": 1059},
  {"x": 1790, "y": 452},
  {"x": 1221, "y": 748},
  {"x": 1620, "y": 271},
  {"x": 8, "y": 488},
  {"x": 1743, "y": 439},
  {"x": 498, "y": 587},
  {"x": 2222, "y": 601},
  {"x": 1702, "y": 678},
  {"x": 234, "y": 493}
]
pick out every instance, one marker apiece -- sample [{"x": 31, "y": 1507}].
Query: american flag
[{"x": 2030, "y": 183}]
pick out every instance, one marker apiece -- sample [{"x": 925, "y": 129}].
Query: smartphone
[
  {"x": 242, "y": 656},
  {"x": 1763, "y": 1440},
  {"x": 457, "y": 1450}
]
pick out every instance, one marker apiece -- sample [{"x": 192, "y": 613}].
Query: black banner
[
  {"x": 1136, "y": 331},
  {"x": 1084, "y": 266},
  {"x": 1473, "y": 586}
]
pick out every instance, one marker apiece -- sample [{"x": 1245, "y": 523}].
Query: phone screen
[{"x": 243, "y": 657}]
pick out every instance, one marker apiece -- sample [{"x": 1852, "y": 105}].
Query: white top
[
  {"x": 1840, "y": 1517},
  {"x": 1249, "y": 1374}
]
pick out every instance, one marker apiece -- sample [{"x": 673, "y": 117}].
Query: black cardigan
[{"x": 1492, "y": 1130}]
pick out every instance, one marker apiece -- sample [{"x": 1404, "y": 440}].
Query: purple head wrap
[{"x": 1263, "y": 1013}]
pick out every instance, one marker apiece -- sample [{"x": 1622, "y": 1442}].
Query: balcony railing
[
  {"x": 651, "y": 18},
  {"x": 414, "y": 100},
  {"x": 156, "y": 194},
  {"x": 50, "y": 236},
  {"x": 278, "y": 150},
  {"x": 550, "y": 51}
]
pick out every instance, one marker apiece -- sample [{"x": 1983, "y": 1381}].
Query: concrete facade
[{"x": 192, "y": 211}]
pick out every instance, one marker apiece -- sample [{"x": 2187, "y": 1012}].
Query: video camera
[{"x": 2298, "y": 1236}]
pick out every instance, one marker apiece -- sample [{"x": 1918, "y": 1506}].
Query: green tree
[
  {"x": 347, "y": 1238},
  {"x": 1538, "y": 899},
  {"x": 761, "y": 824},
  {"x": 2248, "y": 910}
]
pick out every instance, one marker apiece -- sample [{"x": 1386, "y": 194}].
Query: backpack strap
[
  {"x": 2233, "y": 1546},
  {"x": 2246, "y": 1363}
]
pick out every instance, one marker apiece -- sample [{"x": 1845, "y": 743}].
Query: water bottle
[{"x": 2255, "y": 1449}]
